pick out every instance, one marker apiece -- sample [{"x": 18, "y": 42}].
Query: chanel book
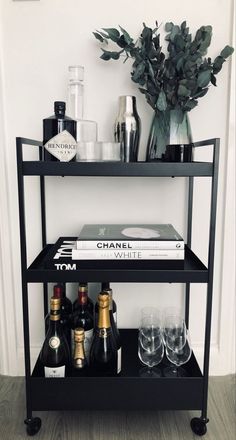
[{"x": 129, "y": 237}]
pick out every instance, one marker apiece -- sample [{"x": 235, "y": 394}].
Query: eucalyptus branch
[{"x": 175, "y": 81}]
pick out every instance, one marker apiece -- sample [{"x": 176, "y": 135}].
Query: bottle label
[
  {"x": 119, "y": 360},
  {"x": 54, "y": 372},
  {"x": 54, "y": 342},
  {"x": 63, "y": 146}
]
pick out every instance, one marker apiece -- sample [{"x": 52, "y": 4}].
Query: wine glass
[
  {"x": 149, "y": 312},
  {"x": 174, "y": 332},
  {"x": 178, "y": 356},
  {"x": 150, "y": 345}
]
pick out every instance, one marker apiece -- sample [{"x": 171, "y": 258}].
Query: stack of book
[{"x": 129, "y": 242}]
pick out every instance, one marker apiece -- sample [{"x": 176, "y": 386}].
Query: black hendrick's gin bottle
[{"x": 59, "y": 135}]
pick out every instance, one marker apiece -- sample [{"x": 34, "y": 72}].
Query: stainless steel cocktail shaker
[{"x": 127, "y": 128}]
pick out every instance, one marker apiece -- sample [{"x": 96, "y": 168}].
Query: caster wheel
[
  {"x": 198, "y": 426},
  {"x": 33, "y": 425}
]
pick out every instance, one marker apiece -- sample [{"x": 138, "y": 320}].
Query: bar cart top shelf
[{"x": 116, "y": 169}]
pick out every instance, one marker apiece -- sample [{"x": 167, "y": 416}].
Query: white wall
[{"x": 38, "y": 42}]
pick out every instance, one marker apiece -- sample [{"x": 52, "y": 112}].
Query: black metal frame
[{"x": 194, "y": 271}]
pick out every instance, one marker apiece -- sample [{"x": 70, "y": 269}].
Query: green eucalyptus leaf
[
  {"x": 156, "y": 41},
  {"x": 175, "y": 31},
  {"x": 179, "y": 64},
  {"x": 213, "y": 80},
  {"x": 217, "y": 65},
  {"x": 183, "y": 25},
  {"x": 183, "y": 81},
  {"x": 122, "y": 43},
  {"x": 138, "y": 71},
  {"x": 208, "y": 29},
  {"x": 105, "y": 56},
  {"x": 205, "y": 44},
  {"x": 127, "y": 37},
  {"x": 113, "y": 34},
  {"x": 207, "y": 39},
  {"x": 115, "y": 55},
  {"x": 100, "y": 37},
  {"x": 200, "y": 93},
  {"x": 189, "y": 36},
  {"x": 190, "y": 105},
  {"x": 169, "y": 26},
  {"x": 152, "y": 89},
  {"x": 183, "y": 91},
  {"x": 142, "y": 81},
  {"x": 194, "y": 47},
  {"x": 198, "y": 35},
  {"x": 190, "y": 84},
  {"x": 179, "y": 42},
  {"x": 147, "y": 34},
  {"x": 104, "y": 35},
  {"x": 110, "y": 55},
  {"x": 204, "y": 78},
  {"x": 152, "y": 53},
  {"x": 161, "y": 103},
  {"x": 143, "y": 91},
  {"x": 227, "y": 51},
  {"x": 151, "y": 71},
  {"x": 151, "y": 100}
]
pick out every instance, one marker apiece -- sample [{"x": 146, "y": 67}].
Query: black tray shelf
[
  {"x": 115, "y": 169},
  {"x": 119, "y": 271},
  {"x": 127, "y": 391}
]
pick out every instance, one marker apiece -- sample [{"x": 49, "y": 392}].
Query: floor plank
[{"x": 119, "y": 425}]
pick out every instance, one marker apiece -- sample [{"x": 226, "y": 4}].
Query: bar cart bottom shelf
[{"x": 128, "y": 391}]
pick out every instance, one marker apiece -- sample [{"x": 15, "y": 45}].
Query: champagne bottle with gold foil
[
  {"x": 106, "y": 288},
  {"x": 112, "y": 312},
  {"x": 103, "y": 354},
  {"x": 79, "y": 358},
  {"x": 59, "y": 291},
  {"x": 55, "y": 354}
]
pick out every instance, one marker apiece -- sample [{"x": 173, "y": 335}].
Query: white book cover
[
  {"x": 146, "y": 254},
  {"x": 128, "y": 245}
]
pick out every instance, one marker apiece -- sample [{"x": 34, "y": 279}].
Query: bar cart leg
[
  {"x": 198, "y": 424},
  {"x": 33, "y": 424}
]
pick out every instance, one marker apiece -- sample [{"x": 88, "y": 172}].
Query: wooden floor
[{"x": 146, "y": 425}]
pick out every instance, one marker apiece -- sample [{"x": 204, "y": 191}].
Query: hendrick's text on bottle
[{"x": 59, "y": 135}]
